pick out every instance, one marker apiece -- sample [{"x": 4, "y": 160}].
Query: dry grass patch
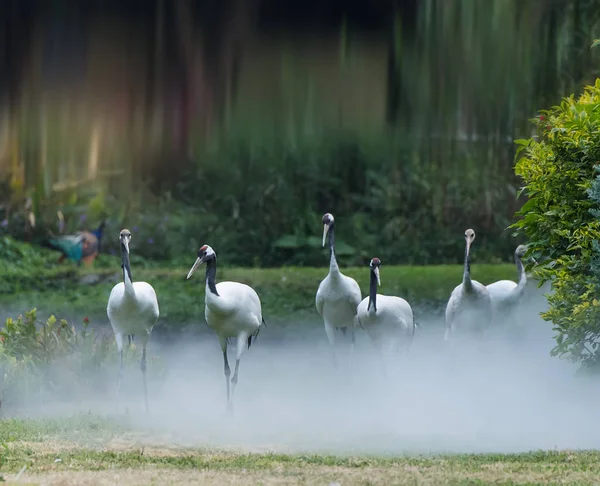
[{"x": 282, "y": 475}]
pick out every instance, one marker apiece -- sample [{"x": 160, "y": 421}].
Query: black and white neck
[
  {"x": 126, "y": 267},
  {"x": 333, "y": 265},
  {"x": 373, "y": 290},
  {"x": 467, "y": 267},
  {"x": 211, "y": 273}
]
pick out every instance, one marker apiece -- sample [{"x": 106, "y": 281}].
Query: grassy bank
[
  {"x": 285, "y": 292},
  {"x": 95, "y": 450}
]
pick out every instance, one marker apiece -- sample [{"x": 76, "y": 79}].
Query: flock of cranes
[{"x": 233, "y": 310}]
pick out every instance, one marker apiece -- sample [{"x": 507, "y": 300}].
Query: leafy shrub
[
  {"x": 557, "y": 168},
  {"x": 54, "y": 359}
]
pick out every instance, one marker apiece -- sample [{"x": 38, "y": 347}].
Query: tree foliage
[{"x": 558, "y": 169}]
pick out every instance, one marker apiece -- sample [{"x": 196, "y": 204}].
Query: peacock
[{"x": 82, "y": 246}]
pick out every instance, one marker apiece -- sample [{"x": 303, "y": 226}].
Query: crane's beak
[
  {"x": 197, "y": 263},
  {"x": 125, "y": 244},
  {"x": 376, "y": 271},
  {"x": 325, "y": 231},
  {"x": 469, "y": 245}
]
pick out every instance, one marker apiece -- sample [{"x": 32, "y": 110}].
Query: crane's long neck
[
  {"x": 373, "y": 291},
  {"x": 126, "y": 266},
  {"x": 211, "y": 273},
  {"x": 333, "y": 265},
  {"x": 519, "y": 290},
  {"x": 467, "y": 284}
]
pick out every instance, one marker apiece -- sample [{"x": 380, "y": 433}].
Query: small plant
[{"x": 53, "y": 358}]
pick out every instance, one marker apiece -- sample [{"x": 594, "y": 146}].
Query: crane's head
[
  {"x": 125, "y": 237},
  {"x": 469, "y": 237},
  {"x": 521, "y": 250},
  {"x": 375, "y": 264},
  {"x": 205, "y": 254},
  {"x": 327, "y": 224}
]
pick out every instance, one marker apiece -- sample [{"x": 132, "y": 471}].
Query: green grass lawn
[
  {"x": 90, "y": 449},
  {"x": 284, "y": 292}
]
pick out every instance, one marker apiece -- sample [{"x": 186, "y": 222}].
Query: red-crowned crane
[
  {"x": 470, "y": 307},
  {"x": 338, "y": 295},
  {"x": 132, "y": 310},
  {"x": 232, "y": 310}
]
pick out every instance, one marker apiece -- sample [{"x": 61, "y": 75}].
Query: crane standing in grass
[
  {"x": 132, "y": 310},
  {"x": 232, "y": 310},
  {"x": 338, "y": 295},
  {"x": 383, "y": 316},
  {"x": 470, "y": 306}
]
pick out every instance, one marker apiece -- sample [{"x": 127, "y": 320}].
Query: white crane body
[
  {"x": 235, "y": 311},
  {"x": 469, "y": 309},
  {"x": 133, "y": 313},
  {"x": 506, "y": 294},
  {"x": 232, "y": 310},
  {"x": 385, "y": 318},
  {"x": 132, "y": 310},
  {"x": 337, "y": 296}
]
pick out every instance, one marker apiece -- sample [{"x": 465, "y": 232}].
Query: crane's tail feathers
[
  {"x": 250, "y": 340},
  {"x": 263, "y": 321}
]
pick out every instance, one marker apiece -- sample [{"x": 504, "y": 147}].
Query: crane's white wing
[
  {"x": 354, "y": 295},
  {"x": 319, "y": 299}
]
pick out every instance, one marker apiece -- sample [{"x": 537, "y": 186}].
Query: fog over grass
[{"x": 503, "y": 395}]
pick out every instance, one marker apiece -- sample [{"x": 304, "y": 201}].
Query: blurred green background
[{"x": 238, "y": 123}]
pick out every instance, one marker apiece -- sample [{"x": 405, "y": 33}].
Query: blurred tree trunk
[
  {"x": 236, "y": 32},
  {"x": 394, "y": 67}
]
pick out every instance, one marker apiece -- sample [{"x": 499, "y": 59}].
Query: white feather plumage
[
  {"x": 232, "y": 310},
  {"x": 385, "y": 318},
  {"x": 469, "y": 309},
  {"x": 338, "y": 295},
  {"x": 132, "y": 310}
]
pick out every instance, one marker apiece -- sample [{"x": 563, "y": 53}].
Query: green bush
[
  {"x": 558, "y": 169},
  {"x": 55, "y": 359}
]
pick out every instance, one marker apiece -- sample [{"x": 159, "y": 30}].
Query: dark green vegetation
[
  {"x": 561, "y": 220},
  {"x": 370, "y": 133},
  {"x": 54, "y": 449}
]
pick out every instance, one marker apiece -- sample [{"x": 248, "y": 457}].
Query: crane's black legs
[
  {"x": 119, "y": 339},
  {"x": 143, "y": 367},
  {"x": 234, "y": 381},
  {"x": 120, "y": 376},
  {"x": 227, "y": 369},
  {"x": 227, "y": 375},
  {"x": 353, "y": 342},
  {"x": 330, "y": 331}
]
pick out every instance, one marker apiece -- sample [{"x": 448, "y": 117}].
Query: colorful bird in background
[{"x": 82, "y": 246}]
